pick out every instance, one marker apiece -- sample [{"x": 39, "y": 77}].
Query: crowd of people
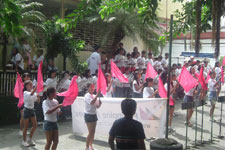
[{"x": 133, "y": 66}]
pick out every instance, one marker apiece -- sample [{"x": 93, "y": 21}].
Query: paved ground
[{"x": 10, "y": 140}]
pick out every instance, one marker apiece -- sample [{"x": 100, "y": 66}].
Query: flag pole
[{"x": 169, "y": 70}]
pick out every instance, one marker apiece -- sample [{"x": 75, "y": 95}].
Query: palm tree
[
  {"x": 217, "y": 9},
  {"x": 125, "y": 23},
  {"x": 198, "y": 26},
  {"x": 18, "y": 18}
]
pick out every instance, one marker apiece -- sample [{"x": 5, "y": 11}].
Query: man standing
[
  {"x": 94, "y": 60},
  {"x": 127, "y": 129}
]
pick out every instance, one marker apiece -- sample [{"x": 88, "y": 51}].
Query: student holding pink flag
[
  {"x": 90, "y": 117},
  {"x": 29, "y": 113}
]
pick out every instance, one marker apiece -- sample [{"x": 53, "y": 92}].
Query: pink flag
[
  {"x": 40, "y": 83},
  {"x": 71, "y": 94},
  {"x": 201, "y": 79},
  {"x": 161, "y": 89},
  {"x": 208, "y": 77},
  {"x": 18, "y": 90},
  {"x": 186, "y": 80},
  {"x": 222, "y": 75},
  {"x": 117, "y": 73},
  {"x": 150, "y": 72},
  {"x": 101, "y": 83},
  {"x": 197, "y": 75},
  {"x": 223, "y": 61},
  {"x": 163, "y": 92}
]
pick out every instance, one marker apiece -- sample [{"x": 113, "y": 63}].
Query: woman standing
[
  {"x": 90, "y": 117},
  {"x": 137, "y": 86},
  {"x": 51, "y": 108},
  {"x": 29, "y": 113},
  {"x": 109, "y": 82}
]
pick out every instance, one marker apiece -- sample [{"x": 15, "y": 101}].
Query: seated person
[
  {"x": 127, "y": 129},
  {"x": 51, "y": 65},
  {"x": 37, "y": 59},
  {"x": 17, "y": 60}
]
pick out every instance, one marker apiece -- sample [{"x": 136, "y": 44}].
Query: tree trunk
[
  {"x": 64, "y": 63},
  {"x": 198, "y": 26},
  {"x": 4, "y": 52}
]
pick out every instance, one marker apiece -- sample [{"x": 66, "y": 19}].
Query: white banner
[{"x": 150, "y": 112}]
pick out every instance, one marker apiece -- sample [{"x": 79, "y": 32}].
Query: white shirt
[
  {"x": 16, "y": 58},
  {"x": 178, "y": 71},
  {"x": 191, "y": 92},
  {"x": 109, "y": 93},
  {"x": 148, "y": 61},
  {"x": 66, "y": 84},
  {"x": 51, "y": 83},
  {"x": 48, "y": 105},
  {"x": 211, "y": 84},
  {"x": 141, "y": 62},
  {"x": 89, "y": 109},
  {"x": 157, "y": 65},
  {"x": 118, "y": 83},
  {"x": 130, "y": 80},
  {"x": 218, "y": 72},
  {"x": 37, "y": 60},
  {"x": 164, "y": 62},
  {"x": 93, "y": 61},
  {"x": 148, "y": 92},
  {"x": 29, "y": 99},
  {"x": 119, "y": 60},
  {"x": 134, "y": 90},
  {"x": 26, "y": 47}
]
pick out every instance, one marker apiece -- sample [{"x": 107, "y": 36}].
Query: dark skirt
[
  {"x": 28, "y": 113},
  {"x": 90, "y": 118}
]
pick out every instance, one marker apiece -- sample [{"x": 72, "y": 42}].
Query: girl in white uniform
[
  {"x": 148, "y": 91},
  {"x": 29, "y": 113},
  {"x": 90, "y": 117},
  {"x": 51, "y": 108}
]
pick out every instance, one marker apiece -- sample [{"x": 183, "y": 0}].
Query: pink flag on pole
[
  {"x": 201, "y": 79},
  {"x": 223, "y": 61},
  {"x": 163, "y": 92},
  {"x": 40, "y": 83},
  {"x": 117, "y": 73},
  {"x": 101, "y": 83},
  {"x": 18, "y": 90},
  {"x": 71, "y": 94},
  {"x": 150, "y": 72},
  {"x": 186, "y": 80},
  {"x": 222, "y": 75},
  {"x": 161, "y": 89},
  {"x": 208, "y": 77}
]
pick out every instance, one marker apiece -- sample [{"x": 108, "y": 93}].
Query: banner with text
[{"x": 151, "y": 112}]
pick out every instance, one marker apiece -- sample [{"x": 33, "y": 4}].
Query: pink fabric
[
  {"x": 115, "y": 71},
  {"x": 40, "y": 83},
  {"x": 222, "y": 75},
  {"x": 18, "y": 90},
  {"x": 71, "y": 94},
  {"x": 161, "y": 89},
  {"x": 186, "y": 80},
  {"x": 197, "y": 75},
  {"x": 208, "y": 77},
  {"x": 163, "y": 92},
  {"x": 223, "y": 61},
  {"x": 201, "y": 79},
  {"x": 150, "y": 72},
  {"x": 101, "y": 83}
]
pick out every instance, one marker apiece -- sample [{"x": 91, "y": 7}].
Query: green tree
[
  {"x": 59, "y": 40},
  {"x": 9, "y": 25},
  {"x": 126, "y": 17}
]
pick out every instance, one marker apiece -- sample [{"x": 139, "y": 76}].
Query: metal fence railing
[{"x": 8, "y": 80}]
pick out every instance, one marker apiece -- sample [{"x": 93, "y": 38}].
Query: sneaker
[
  {"x": 189, "y": 124},
  {"x": 30, "y": 142},
  {"x": 171, "y": 130},
  {"x": 20, "y": 133},
  {"x": 24, "y": 143}
]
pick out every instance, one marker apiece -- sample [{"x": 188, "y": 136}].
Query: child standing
[
  {"x": 149, "y": 90},
  {"x": 29, "y": 113},
  {"x": 51, "y": 108},
  {"x": 213, "y": 85}
]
